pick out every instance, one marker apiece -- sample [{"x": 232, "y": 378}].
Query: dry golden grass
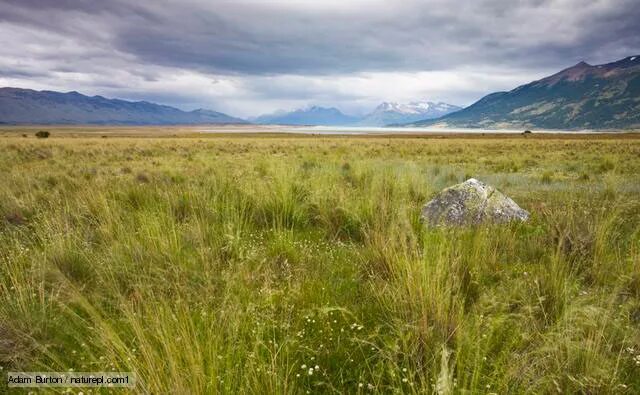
[{"x": 238, "y": 263}]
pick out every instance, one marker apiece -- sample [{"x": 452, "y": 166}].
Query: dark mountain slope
[
  {"x": 583, "y": 96},
  {"x": 26, "y": 106}
]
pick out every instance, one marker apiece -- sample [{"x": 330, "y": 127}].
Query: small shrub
[
  {"x": 142, "y": 177},
  {"x": 547, "y": 177},
  {"x": 262, "y": 169},
  {"x": 606, "y": 166},
  {"x": 51, "y": 181},
  {"x": 42, "y": 134},
  {"x": 307, "y": 165},
  {"x": 15, "y": 218}
]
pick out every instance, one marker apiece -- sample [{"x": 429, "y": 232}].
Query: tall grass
[{"x": 287, "y": 265}]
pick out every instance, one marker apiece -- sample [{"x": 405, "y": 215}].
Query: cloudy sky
[{"x": 247, "y": 57}]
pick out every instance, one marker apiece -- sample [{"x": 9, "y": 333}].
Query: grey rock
[{"x": 471, "y": 203}]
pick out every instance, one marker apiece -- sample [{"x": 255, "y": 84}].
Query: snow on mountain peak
[
  {"x": 415, "y": 107},
  {"x": 399, "y": 113}
]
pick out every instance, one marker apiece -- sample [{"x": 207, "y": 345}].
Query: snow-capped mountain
[
  {"x": 385, "y": 114},
  {"x": 389, "y": 113}
]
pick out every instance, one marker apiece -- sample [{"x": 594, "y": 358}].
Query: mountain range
[
  {"x": 389, "y": 113},
  {"x": 583, "y": 96},
  {"x": 313, "y": 115},
  {"x": 22, "y": 106},
  {"x": 385, "y": 114},
  {"x": 26, "y": 106}
]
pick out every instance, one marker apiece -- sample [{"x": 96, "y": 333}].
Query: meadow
[{"x": 290, "y": 265}]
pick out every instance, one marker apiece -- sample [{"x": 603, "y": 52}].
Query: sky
[{"x": 249, "y": 57}]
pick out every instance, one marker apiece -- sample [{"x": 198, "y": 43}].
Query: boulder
[{"x": 471, "y": 203}]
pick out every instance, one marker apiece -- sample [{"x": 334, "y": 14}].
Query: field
[{"x": 288, "y": 264}]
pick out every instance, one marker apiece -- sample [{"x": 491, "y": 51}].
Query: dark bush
[
  {"x": 142, "y": 177},
  {"x": 43, "y": 134},
  {"x": 15, "y": 218}
]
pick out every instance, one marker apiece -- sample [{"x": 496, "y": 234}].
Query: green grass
[{"x": 238, "y": 265}]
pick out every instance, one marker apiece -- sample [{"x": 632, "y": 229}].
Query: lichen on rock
[{"x": 471, "y": 203}]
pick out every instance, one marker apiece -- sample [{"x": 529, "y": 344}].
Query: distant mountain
[
  {"x": 26, "y": 106},
  {"x": 395, "y": 113},
  {"x": 583, "y": 96},
  {"x": 308, "y": 116}
]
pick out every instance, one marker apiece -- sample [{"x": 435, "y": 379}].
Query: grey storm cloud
[
  {"x": 270, "y": 37},
  {"x": 254, "y": 39},
  {"x": 288, "y": 37}
]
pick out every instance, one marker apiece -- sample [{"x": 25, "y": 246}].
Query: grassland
[{"x": 285, "y": 264}]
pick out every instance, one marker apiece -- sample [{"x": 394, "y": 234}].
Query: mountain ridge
[
  {"x": 389, "y": 113},
  {"x": 583, "y": 96},
  {"x": 384, "y": 114},
  {"x": 312, "y": 115},
  {"x": 28, "y": 106}
]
